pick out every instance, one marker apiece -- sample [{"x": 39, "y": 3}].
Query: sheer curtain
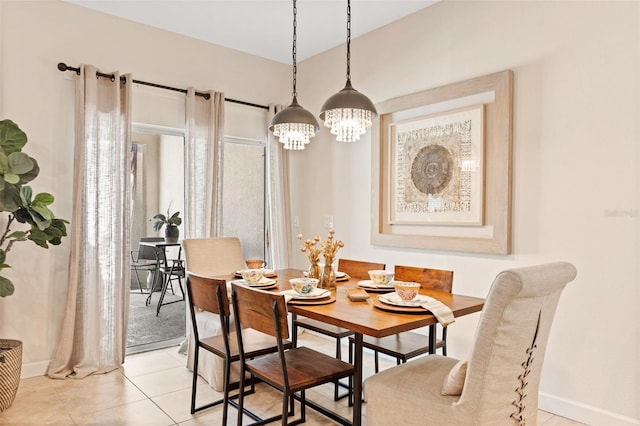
[
  {"x": 204, "y": 156},
  {"x": 93, "y": 336},
  {"x": 278, "y": 200}
]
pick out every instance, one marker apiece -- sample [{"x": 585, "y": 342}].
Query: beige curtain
[
  {"x": 278, "y": 200},
  {"x": 93, "y": 336},
  {"x": 204, "y": 157}
]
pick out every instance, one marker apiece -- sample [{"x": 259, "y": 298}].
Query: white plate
[
  {"x": 394, "y": 299},
  {"x": 318, "y": 293},
  {"x": 267, "y": 273},
  {"x": 262, "y": 283},
  {"x": 370, "y": 284}
]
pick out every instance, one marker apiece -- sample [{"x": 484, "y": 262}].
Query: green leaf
[
  {"x": 39, "y": 237},
  {"x": 11, "y": 178},
  {"x": 18, "y": 235},
  {"x": 4, "y": 162},
  {"x": 6, "y": 287},
  {"x": 30, "y": 175},
  {"x": 10, "y": 198},
  {"x": 44, "y": 198},
  {"x": 4, "y": 265},
  {"x": 3, "y": 256},
  {"x": 25, "y": 195},
  {"x": 43, "y": 211},
  {"x": 12, "y": 139},
  {"x": 20, "y": 163}
]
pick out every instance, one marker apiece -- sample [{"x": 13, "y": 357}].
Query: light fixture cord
[
  {"x": 295, "y": 68},
  {"x": 348, "y": 40}
]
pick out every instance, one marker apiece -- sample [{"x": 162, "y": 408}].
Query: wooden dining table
[{"x": 365, "y": 318}]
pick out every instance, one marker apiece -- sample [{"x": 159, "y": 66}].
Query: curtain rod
[{"x": 64, "y": 67}]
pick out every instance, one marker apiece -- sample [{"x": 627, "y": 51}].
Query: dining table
[{"x": 366, "y": 317}]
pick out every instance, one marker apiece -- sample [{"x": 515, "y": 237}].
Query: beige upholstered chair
[
  {"x": 211, "y": 257},
  {"x": 502, "y": 373}
]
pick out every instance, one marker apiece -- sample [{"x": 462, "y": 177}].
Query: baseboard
[
  {"x": 581, "y": 412},
  {"x": 34, "y": 369}
]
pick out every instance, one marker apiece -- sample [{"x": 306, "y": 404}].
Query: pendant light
[
  {"x": 348, "y": 113},
  {"x": 294, "y": 125}
]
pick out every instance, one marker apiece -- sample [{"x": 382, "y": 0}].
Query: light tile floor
[{"x": 154, "y": 388}]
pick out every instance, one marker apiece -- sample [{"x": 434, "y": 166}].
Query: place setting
[
  {"x": 406, "y": 299},
  {"x": 255, "y": 278},
  {"x": 381, "y": 282},
  {"x": 305, "y": 291}
]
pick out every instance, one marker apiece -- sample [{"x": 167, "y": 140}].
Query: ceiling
[{"x": 262, "y": 27}]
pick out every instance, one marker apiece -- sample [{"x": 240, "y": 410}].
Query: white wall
[
  {"x": 575, "y": 163},
  {"x": 34, "y": 37}
]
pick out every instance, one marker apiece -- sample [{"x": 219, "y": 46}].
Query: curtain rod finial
[{"x": 62, "y": 66}]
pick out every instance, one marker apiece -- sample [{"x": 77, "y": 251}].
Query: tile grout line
[{"x": 175, "y": 423}]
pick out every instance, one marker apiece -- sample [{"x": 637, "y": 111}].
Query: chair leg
[
  {"x": 336, "y": 384},
  {"x": 225, "y": 384},
  {"x": 165, "y": 284},
  {"x": 194, "y": 383},
  {"x": 241, "y": 395},
  {"x": 294, "y": 330},
  {"x": 135, "y": 272},
  {"x": 375, "y": 361},
  {"x": 350, "y": 397},
  {"x": 444, "y": 341}
]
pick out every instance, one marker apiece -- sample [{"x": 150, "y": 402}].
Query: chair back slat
[
  {"x": 432, "y": 279},
  {"x": 255, "y": 309},
  {"x": 146, "y": 252},
  {"x": 357, "y": 268},
  {"x": 208, "y": 294}
]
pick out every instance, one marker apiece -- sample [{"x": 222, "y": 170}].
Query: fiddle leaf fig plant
[{"x": 17, "y": 200}]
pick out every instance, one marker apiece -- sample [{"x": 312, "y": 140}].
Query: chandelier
[
  {"x": 294, "y": 125},
  {"x": 348, "y": 113}
]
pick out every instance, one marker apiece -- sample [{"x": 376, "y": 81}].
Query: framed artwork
[
  {"x": 437, "y": 169},
  {"x": 441, "y": 167}
]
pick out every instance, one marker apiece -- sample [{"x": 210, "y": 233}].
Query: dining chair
[
  {"x": 210, "y": 257},
  {"x": 355, "y": 269},
  {"x": 500, "y": 381},
  {"x": 290, "y": 371},
  {"x": 144, "y": 259},
  {"x": 210, "y": 295},
  {"x": 407, "y": 345},
  {"x": 171, "y": 270}
]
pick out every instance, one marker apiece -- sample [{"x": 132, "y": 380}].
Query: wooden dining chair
[
  {"x": 355, "y": 269},
  {"x": 210, "y": 295},
  {"x": 407, "y": 345},
  {"x": 289, "y": 371}
]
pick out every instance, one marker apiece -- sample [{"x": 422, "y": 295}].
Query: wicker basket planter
[{"x": 10, "y": 366}]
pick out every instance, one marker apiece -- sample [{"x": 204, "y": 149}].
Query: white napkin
[{"x": 439, "y": 310}]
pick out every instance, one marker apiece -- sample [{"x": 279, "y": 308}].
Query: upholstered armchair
[
  {"x": 211, "y": 257},
  {"x": 503, "y": 370}
]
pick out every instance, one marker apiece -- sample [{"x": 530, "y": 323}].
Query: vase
[
  {"x": 171, "y": 234},
  {"x": 328, "y": 281},
  {"x": 314, "y": 270},
  {"x": 10, "y": 366}
]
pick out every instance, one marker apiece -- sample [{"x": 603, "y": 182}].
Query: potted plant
[
  {"x": 172, "y": 221},
  {"x": 42, "y": 227}
]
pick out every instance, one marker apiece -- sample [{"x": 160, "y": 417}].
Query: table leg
[
  {"x": 432, "y": 339},
  {"x": 357, "y": 381}
]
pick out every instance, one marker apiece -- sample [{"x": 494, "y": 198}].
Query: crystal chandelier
[
  {"x": 348, "y": 113},
  {"x": 294, "y": 125}
]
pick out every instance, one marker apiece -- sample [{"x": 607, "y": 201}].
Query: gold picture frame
[{"x": 492, "y": 93}]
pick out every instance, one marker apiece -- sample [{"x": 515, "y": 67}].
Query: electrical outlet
[{"x": 328, "y": 221}]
